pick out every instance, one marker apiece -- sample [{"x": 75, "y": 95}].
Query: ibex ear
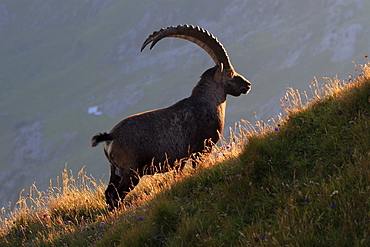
[
  {"x": 219, "y": 72},
  {"x": 221, "y": 67}
]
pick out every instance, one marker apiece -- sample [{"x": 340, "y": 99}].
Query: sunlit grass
[
  {"x": 70, "y": 206},
  {"x": 302, "y": 179}
]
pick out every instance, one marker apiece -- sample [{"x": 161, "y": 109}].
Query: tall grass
[
  {"x": 300, "y": 180},
  {"x": 66, "y": 208}
]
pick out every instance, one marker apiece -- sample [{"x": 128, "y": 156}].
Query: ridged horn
[{"x": 197, "y": 35}]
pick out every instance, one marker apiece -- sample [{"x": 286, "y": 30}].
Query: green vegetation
[{"x": 301, "y": 181}]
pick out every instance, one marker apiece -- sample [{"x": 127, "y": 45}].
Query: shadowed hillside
[{"x": 301, "y": 181}]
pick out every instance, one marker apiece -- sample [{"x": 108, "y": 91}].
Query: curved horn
[{"x": 197, "y": 35}]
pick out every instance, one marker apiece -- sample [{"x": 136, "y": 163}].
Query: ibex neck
[
  {"x": 210, "y": 91},
  {"x": 213, "y": 101}
]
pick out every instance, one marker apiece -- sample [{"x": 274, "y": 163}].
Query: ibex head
[{"x": 233, "y": 83}]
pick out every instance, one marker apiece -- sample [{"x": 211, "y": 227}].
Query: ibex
[{"x": 188, "y": 127}]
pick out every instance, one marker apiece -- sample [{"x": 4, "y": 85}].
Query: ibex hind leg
[
  {"x": 111, "y": 193},
  {"x": 128, "y": 182},
  {"x": 119, "y": 187}
]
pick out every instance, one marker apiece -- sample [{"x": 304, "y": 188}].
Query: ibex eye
[{"x": 230, "y": 75}]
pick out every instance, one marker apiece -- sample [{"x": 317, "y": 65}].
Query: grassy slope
[{"x": 302, "y": 182}]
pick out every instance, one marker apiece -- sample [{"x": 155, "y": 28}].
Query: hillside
[
  {"x": 301, "y": 181},
  {"x": 60, "y": 58}
]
